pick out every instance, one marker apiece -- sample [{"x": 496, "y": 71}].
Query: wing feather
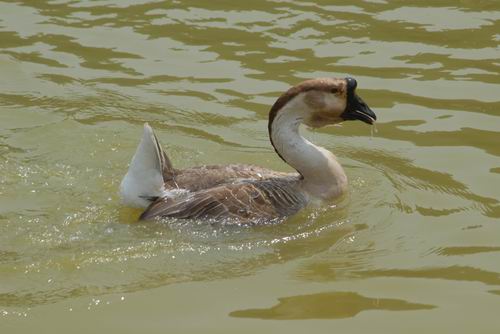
[{"x": 246, "y": 200}]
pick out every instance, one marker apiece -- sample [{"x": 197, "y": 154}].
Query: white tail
[{"x": 144, "y": 179}]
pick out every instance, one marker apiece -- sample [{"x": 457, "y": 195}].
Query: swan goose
[{"x": 247, "y": 193}]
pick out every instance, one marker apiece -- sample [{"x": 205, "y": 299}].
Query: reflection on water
[
  {"x": 328, "y": 305},
  {"x": 80, "y": 78},
  {"x": 450, "y": 251},
  {"x": 128, "y": 258}
]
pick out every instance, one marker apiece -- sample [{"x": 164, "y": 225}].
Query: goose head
[{"x": 325, "y": 101}]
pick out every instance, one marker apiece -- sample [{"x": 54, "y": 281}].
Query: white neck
[{"x": 323, "y": 176}]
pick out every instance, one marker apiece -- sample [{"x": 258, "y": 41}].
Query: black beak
[{"x": 356, "y": 108}]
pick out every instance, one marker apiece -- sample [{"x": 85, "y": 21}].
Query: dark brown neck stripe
[{"x": 326, "y": 85}]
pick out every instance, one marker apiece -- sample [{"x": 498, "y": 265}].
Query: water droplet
[{"x": 373, "y": 129}]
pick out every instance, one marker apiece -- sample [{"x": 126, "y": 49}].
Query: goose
[{"x": 248, "y": 193}]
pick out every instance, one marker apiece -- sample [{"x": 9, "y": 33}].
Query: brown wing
[{"x": 243, "y": 201}]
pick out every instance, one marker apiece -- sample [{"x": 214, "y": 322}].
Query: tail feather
[
  {"x": 146, "y": 175},
  {"x": 165, "y": 164}
]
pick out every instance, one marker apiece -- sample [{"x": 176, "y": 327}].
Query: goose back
[{"x": 209, "y": 176}]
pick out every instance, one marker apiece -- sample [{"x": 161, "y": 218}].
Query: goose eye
[{"x": 351, "y": 83}]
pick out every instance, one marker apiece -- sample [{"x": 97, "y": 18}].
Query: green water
[{"x": 414, "y": 248}]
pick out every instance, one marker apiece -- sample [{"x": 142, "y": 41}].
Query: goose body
[{"x": 247, "y": 193}]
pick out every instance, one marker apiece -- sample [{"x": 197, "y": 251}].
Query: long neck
[{"x": 322, "y": 174}]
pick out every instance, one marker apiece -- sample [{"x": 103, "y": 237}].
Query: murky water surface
[{"x": 415, "y": 248}]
